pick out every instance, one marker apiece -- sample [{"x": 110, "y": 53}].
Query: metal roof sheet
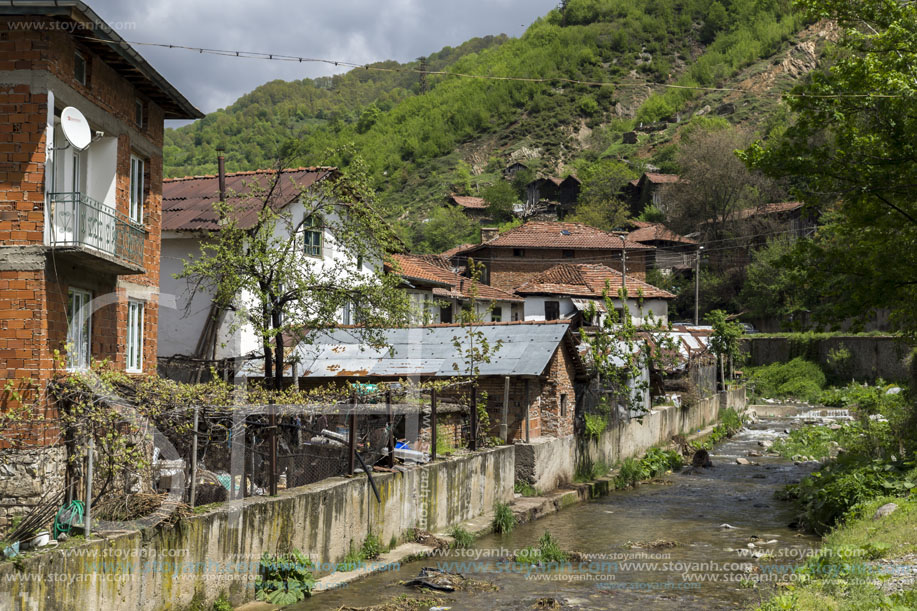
[{"x": 430, "y": 351}]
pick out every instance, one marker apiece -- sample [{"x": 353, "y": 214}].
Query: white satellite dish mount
[{"x": 76, "y": 128}]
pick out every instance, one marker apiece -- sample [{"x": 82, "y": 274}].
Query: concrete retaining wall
[
  {"x": 871, "y": 357},
  {"x": 219, "y": 551},
  {"x": 548, "y": 463}
]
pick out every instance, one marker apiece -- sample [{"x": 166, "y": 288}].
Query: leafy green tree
[
  {"x": 500, "y": 198},
  {"x": 850, "y": 151},
  {"x": 725, "y": 340},
  {"x": 262, "y": 272},
  {"x": 446, "y": 227},
  {"x": 776, "y": 283},
  {"x": 599, "y": 203}
]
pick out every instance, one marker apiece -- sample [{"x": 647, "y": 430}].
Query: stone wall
[
  {"x": 25, "y": 477},
  {"x": 218, "y": 552}
]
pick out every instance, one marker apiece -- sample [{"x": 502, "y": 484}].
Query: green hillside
[
  {"x": 252, "y": 128},
  {"x": 463, "y": 131}
]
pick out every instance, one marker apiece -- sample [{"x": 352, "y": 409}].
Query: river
[{"x": 710, "y": 515}]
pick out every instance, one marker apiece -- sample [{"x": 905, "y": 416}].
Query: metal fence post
[
  {"x": 352, "y": 435},
  {"x": 528, "y": 401},
  {"x": 273, "y": 480},
  {"x": 87, "y": 518},
  {"x": 391, "y": 429},
  {"x": 504, "y": 424},
  {"x": 433, "y": 431},
  {"x": 194, "y": 457}
]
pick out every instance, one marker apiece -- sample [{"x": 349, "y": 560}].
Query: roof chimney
[
  {"x": 221, "y": 172},
  {"x": 489, "y": 233}
]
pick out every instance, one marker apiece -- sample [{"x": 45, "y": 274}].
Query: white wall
[
  {"x": 180, "y": 327},
  {"x": 534, "y": 308}
]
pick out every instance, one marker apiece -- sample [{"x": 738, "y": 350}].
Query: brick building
[
  {"x": 79, "y": 229},
  {"x": 517, "y": 256}
]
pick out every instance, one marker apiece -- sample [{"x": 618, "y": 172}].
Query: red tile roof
[
  {"x": 653, "y": 232},
  {"x": 572, "y": 236},
  {"x": 656, "y": 178},
  {"x": 467, "y": 201},
  {"x": 448, "y": 254},
  {"x": 588, "y": 280},
  {"x": 435, "y": 269},
  {"x": 187, "y": 203}
]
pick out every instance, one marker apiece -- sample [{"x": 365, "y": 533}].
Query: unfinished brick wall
[{"x": 507, "y": 272}]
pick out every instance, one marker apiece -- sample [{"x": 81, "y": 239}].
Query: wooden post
[
  {"x": 391, "y": 429},
  {"x": 504, "y": 425},
  {"x": 474, "y": 417},
  {"x": 194, "y": 457},
  {"x": 273, "y": 476},
  {"x": 433, "y": 424},
  {"x": 527, "y": 403},
  {"x": 352, "y": 435}
]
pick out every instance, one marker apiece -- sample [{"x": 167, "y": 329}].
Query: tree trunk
[{"x": 278, "y": 351}]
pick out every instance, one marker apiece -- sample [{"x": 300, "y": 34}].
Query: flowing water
[{"x": 711, "y": 516}]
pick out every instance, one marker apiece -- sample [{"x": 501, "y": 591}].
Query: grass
[
  {"x": 589, "y": 471},
  {"x": 443, "y": 442},
  {"x": 504, "y": 521},
  {"x": 370, "y": 549},
  {"x": 462, "y": 539},
  {"x": 811, "y": 441},
  {"x": 835, "y": 578},
  {"x": 547, "y": 552},
  {"x": 525, "y": 489}
]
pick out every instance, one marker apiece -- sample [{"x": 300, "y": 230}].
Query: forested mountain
[{"x": 652, "y": 55}]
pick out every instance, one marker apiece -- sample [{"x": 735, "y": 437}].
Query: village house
[
  {"x": 517, "y": 256},
  {"x": 473, "y": 207},
  {"x": 646, "y": 190},
  {"x": 536, "y": 368},
  {"x": 570, "y": 291},
  {"x": 194, "y": 326},
  {"x": 672, "y": 252},
  {"x": 80, "y": 207},
  {"x": 438, "y": 293},
  {"x": 552, "y": 197}
]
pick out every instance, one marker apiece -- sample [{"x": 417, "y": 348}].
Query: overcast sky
[{"x": 359, "y": 31}]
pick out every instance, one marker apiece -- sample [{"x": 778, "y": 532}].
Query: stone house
[
  {"x": 646, "y": 190},
  {"x": 536, "y": 368},
  {"x": 519, "y": 255},
  {"x": 672, "y": 252},
  {"x": 80, "y": 208}
]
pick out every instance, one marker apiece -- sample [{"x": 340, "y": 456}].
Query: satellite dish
[{"x": 75, "y": 128}]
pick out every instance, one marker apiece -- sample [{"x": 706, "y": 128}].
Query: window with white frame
[
  {"x": 136, "y": 208},
  {"x": 79, "y": 329},
  {"x": 313, "y": 236},
  {"x": 134, "y": 353}
]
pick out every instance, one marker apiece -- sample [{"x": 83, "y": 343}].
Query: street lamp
[{"x": 697, "y": 285}]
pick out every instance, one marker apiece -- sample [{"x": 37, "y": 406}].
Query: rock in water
[
  {"x": 701, "y": 459},
  {"x": 884, "y": 510},
  {"x": 742, "y": 461}
]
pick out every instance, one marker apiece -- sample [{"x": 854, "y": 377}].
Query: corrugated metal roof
[{"x": 430, "y": 351}]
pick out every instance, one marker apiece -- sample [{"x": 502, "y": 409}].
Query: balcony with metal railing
[{"x": 95, "y": 234}]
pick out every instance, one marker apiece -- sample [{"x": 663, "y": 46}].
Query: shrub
[
  {"x": 284, "y": 578},
  {"x": 525, "y": 489},
  {"x": 547, "y": 552},
  {"x": 629, "y": 474},
  {"x": 371, "y": 548},
  {"x": 504, "y": 520},
  {"x": 796, "y": 379},
  {"x": 595, "y": 425},
  {"x": 461, "y": 537}
]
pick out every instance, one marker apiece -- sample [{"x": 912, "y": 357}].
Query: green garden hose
[{"x": 68, "y": 516}]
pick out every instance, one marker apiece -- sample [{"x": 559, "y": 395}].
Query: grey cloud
[{"x": 351, "y": 30}]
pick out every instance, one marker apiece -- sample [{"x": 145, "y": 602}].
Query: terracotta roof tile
[
  {"x": 657, "y": 178},
  {"x": 657, "y": 232},
  {"x": 587, "y": 280},
  {"x": 573, "y": 236},
  {"x": 467, "y": 201},
  {"x": 448, "y": 254},
  {"x": 187, "y": 203},
  {"x": 435, "y": 270}
]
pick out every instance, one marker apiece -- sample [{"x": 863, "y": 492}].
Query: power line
[{"x": 259, "y": 55}]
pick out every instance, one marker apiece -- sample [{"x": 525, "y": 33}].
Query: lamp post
[{"x": 697, "y": 286}]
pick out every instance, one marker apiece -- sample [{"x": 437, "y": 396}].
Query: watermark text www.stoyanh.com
[{"x": 67, "y": 26}]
